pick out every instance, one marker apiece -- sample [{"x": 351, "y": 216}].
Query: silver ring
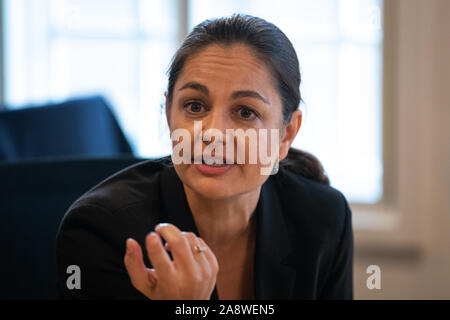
[{"x": 199, "y": 249}]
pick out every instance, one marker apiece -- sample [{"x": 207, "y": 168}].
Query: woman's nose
[{"x": 216, "y": 120}]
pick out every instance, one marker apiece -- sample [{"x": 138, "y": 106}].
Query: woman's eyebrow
[
  {"x": 235, "y": 95},
  {"x": 249, "y": 94},
  {"x": 196, "y": 86}
]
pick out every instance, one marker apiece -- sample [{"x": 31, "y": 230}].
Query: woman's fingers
[
  {"x": 206, "y": 258},
  {"x": 135, "y": 266},
  {"x": 179, "y": 246},
  {"x": 191, "y": 274},
  {"x": 152, "y": 277},
  {"x": 158, "y": 256},
  {"x": 200, "y": 257},
  {"x": 209, "y": 255}
]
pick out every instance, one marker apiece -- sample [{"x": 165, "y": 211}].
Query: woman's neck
[{"x": 225, "y": 221}]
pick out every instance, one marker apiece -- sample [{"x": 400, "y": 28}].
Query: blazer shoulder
[
  {"x": 311, "y": 203},
  {"x": 133, "y": 185},
  {"x": 126, "y": 201}
]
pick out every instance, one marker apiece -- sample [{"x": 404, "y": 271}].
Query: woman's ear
[{"x": 290, "y": 133}]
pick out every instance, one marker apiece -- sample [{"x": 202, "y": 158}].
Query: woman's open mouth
[{"x": 213, "y": 169}]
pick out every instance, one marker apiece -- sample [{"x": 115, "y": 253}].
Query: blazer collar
[
  {"x": 273, "y": 278},
  {"x": 175, "y": 206}
]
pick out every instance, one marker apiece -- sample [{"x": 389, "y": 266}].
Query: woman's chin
[
  {"x": 211, "y": 188},
  {"x": 210, "y": 185}
]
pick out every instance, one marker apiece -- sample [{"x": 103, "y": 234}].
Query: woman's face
[{"x": 227, "y": 88}]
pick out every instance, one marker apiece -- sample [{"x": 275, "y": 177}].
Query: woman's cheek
[{"x": 261, "y": 150}]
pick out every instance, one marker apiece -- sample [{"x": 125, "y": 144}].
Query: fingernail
[
  {"x": 128, "y": 246},
  {"x": 161, "y": 225},
  {"x": 152, "y": 236}
]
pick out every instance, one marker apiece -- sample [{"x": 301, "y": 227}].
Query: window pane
[
  {"x": 107, "y": 67},
  {"x": 116, "y": 17},
  {"x": 158, "y": 18},
  {"x": 154, "y": 135}
]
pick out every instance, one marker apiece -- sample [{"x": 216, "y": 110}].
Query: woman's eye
[
  {"x": 247, "y": 113},
  {"x": 194, "y": 107}
]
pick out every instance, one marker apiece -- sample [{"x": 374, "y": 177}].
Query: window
[
  {"x": 122, "y": 48},
  {"x": 56, "y": 49}
]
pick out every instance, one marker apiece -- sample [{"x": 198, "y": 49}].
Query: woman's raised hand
[{"x": 191, "y": 275}]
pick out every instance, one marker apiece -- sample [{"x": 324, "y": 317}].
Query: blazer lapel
[
  {"x": 274, "y": 279},
  {"x": 175, "y": 206}
]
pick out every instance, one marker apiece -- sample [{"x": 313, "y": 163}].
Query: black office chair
[
  {"x": 78, "y": 127},
  {"x": 34, "y": 196}
]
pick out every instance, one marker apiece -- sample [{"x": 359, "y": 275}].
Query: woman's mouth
[{"x": 213, "y": 169}]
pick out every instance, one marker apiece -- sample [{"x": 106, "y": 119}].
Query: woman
[{"x": 202, "y": 230}]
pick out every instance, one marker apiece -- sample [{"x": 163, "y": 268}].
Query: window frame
[{"x": 394, "y": 225}]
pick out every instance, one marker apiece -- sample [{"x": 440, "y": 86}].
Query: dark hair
[{"x": 272, "y": 46}]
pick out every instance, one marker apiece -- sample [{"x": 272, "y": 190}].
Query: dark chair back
[
  {"x": 84, "y": 127},
  {"x": 34, "y": 196}
]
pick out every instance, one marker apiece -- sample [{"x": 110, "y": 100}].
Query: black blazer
[{"x": 304, "y": 238}]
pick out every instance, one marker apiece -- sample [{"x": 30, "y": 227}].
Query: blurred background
[{"x": 82, "y": 89}]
